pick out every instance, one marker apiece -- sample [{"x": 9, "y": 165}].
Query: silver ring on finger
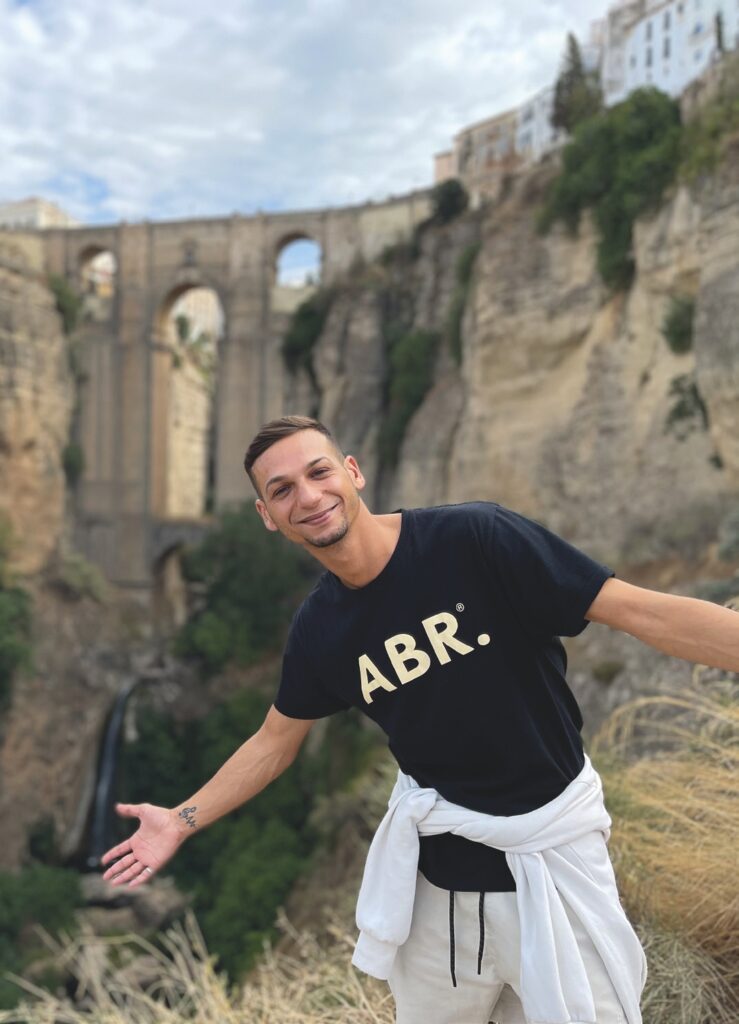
[{"x": 149, "y": 870}]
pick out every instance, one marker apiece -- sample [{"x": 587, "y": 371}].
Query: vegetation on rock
[
  {"x": 75, "y": 577},
  {"x": 304, "y": 330},
  {"x": 618, "y": 164},
  {"x": 15, "y": 619},
  {"x": 688, "y": 411},
  {"x": 73, "y": 463},
  {"x": 677, "y": 326},
  {"x": 449, "y": 199},
  {"x": 411, "y": 366},
  {"x": 707, "y": 135},
  {"x": 465, "y": 266},
  {"x": 68, "y": 302}
]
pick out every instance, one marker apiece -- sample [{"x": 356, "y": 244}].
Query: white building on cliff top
[{"x": 662, "y": 43}]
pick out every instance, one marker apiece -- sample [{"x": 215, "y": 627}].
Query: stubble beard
[{"x": 333, "y": 538}]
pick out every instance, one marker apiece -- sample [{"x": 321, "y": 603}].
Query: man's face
[{"x": 309, "y": 491}]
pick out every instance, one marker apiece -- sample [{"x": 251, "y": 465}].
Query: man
[{"x": 442, "y": 624}]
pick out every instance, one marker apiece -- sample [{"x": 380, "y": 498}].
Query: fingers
[
  {"x": 144, "y": 876},
  {"x": 116, "y": 851},
  {"x": 120, "y": 865},
  {"x": 136, "y": 874}
]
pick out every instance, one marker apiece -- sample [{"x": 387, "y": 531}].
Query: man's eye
[{"x": 279, "y": 492}]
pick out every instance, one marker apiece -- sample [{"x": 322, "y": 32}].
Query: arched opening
[
  {"x": 188, "y": 329},
  {"x": 169, "y": 594},
  {"x": 97, "y": 274},
  {"x": 297, "y": 272}
]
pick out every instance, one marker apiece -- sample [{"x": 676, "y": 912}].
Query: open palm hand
[{"x": 157, "y": 839}]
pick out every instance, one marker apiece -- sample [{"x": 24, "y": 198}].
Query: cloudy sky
[{"x": 132, "y": 109}]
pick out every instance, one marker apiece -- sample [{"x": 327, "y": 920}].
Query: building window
[
  {"x": 632, "y": 61},
  {"x": 666, "y": 21},
  {"x": 649, "y": 30},
  {"x": 649, "y": 56},
  {"x": 679, "y": 8},
  {"x": 666, "y": 48}
]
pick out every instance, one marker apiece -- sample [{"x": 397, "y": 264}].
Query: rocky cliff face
[
  {"x": 567, "y": 403},
  {"x": 36, "y": 398}
]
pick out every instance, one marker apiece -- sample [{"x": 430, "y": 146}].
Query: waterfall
[{"x": 101, "y": 815}]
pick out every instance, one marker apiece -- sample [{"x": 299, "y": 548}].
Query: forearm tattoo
[{"x": 188, "y": 815}]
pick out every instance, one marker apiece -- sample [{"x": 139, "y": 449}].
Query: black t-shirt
[{"x": 453, "y": 650}]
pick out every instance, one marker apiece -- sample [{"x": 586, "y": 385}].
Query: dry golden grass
[
  {"x": 130, "y": 981},
  {"x": 675, "y": 841}
]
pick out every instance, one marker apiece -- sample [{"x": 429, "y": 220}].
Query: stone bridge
[{"x": 126, "y": 365}]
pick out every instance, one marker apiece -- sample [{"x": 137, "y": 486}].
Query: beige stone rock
[{"x": 36, "y": 398}]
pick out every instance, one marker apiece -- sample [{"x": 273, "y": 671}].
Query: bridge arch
[
  {"x": 296, "y": 270},
  {"x": 97, "y": 270},
  {"x": 188, "y": 326}
]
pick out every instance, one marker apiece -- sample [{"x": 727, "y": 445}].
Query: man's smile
[{"x": 319, "y": 517}]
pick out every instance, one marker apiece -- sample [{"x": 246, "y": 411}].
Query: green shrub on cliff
[
  {"x": 411, "y": 365},
  {"x": 449, "y": 199},
  {"x": 68, "y": 302},
  {"x": 465, "y": 266},
  {"x": 37, "y": 895},
  {"x": 15, "y": 618},
  {"x": 252, "y": 583},
  {"x": 677, "y": 326},
  {"x": 304, "y": 331},
  {"x": 618, "y": 165},
  {"x": 710, "y": 130}
]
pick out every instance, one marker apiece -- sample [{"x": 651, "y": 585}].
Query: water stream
[{"x": 101, "y": 827}]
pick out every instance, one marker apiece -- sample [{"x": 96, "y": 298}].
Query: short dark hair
[{"x": 275, "y": 431}]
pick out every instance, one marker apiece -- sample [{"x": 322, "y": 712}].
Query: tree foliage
[
  {"x": 577, "y": 92},
  {"x": 619, "y": 165},
  {"x": 449, "y": 199},
  {"x": 242, "y": 867},
  {"x": 251, "y": 587},
  {"x": 36, "y": 895}
]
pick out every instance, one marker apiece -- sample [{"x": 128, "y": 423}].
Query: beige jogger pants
[{"x": 421, "y": 979}]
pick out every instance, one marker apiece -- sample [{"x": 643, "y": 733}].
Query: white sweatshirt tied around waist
[{"x": 556, "y": 853}]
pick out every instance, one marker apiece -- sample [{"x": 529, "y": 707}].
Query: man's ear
[
  {"x": 266, "y": 518},
  {"x": 352, "y": 467}
]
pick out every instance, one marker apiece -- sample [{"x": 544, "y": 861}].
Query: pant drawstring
[
  {"x": 482, "y": 932},
  {"x": 451, "y": 937}
]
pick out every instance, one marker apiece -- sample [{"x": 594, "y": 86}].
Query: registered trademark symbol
[{"x": 460, "y": 607}]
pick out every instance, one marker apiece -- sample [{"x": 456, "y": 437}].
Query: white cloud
[{"x": 179, "y": 108}]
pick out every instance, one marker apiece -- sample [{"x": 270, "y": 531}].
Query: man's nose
[{"x": 309, "y": 493}]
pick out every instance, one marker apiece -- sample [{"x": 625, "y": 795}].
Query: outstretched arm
[
  {"x": 684, "y": 627},
  {"x": 163, "y": 830}
]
